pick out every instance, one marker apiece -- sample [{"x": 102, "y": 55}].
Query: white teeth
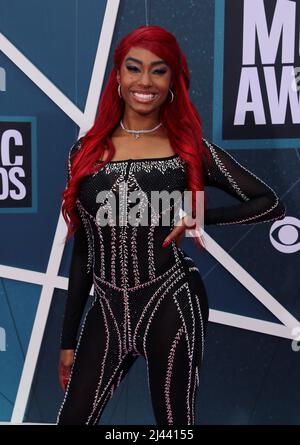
[{"x": 144, "y": 97}]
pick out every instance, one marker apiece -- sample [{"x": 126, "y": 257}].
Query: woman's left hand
[{"x": 179, "y": 231}]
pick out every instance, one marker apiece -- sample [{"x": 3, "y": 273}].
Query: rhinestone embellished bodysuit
[{"x": 148, "y": 301}]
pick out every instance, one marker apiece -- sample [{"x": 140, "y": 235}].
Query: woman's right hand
[{"x": 66, "y": 360}]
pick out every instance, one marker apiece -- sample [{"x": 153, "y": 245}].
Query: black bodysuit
[{"x": 148, "y": 301}]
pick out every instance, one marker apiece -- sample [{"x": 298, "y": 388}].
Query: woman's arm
[
  {"x": 80, "y": 283},
  {"x": 80, "y": 280},
  {"x": 259, "y": 202}
]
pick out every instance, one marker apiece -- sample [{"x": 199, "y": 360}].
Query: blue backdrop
[{"x": 251, "y": 367}]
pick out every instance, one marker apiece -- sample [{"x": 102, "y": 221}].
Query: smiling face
[{"x": 145, "y": 80}]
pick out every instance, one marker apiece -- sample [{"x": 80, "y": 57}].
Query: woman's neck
[{"x": 140, "y": 122}]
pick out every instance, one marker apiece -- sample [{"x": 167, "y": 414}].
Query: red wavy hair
[{"x": 185, "y": 139}]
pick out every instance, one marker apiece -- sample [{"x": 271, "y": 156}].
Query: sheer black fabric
[
  {"x": 258, "y": 203},
  {"x": 148, "y": 300},
  {"x": 80, "y": 283}
]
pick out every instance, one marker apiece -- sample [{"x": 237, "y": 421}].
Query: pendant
[{"x": 137, "y": 136}]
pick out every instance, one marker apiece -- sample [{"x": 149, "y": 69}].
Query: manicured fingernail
[{"x": 165, "y": 243}]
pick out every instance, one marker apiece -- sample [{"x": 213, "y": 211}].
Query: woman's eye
[
  {"x": 132, "y": 68},
  {"x": 160, "y": 71},
  {"x": 135, "y": 69}
]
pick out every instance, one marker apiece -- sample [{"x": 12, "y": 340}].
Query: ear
[{"x": 118, "y": 77}]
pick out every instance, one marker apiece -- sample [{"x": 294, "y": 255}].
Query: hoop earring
[
  {"x": 119, "y": 90},
  {"x": 172, "y": 96}
]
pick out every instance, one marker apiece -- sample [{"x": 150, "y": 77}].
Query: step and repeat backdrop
[{"x": 245, "y": 69}]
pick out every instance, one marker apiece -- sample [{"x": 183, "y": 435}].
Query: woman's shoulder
[{"x": 75, "y": 147}]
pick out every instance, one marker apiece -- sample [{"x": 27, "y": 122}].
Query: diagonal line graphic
[
  {"x": 99, "y": 65},
  {"x": 41, "y": 81},
  {"x": 84, "y": 122},
  {"x": 29, "y": 276},
  {"x": 51, "y": 280},
  {"x": 6, "y": 398},
  {"x": 230, "y": 319},
  {"x": 250, "y": 324},
  {"x": 13, "y": 318},
  {"x": 291, "y": 187},
  {"x": 250, "y": 283}
]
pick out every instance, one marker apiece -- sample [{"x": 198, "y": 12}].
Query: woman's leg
[
  {"x": 174, "y": 344},
  {"x": 100, "y": 364}
]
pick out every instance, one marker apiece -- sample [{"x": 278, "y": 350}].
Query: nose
[{"x": 145, "y": 79}]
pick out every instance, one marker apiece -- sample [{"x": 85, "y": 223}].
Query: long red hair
[{"x": 185, "y": 139}]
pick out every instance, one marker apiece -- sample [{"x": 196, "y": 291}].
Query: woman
[{"x": 149, "y": 298}]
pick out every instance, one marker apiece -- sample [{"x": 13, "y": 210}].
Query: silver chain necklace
[{"x": 138, "y": 132}]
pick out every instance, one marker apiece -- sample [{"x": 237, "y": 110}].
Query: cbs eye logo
[{"x": 285, "y": 235}]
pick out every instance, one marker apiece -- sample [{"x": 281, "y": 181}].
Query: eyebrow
[{"x": 156, "y": 62}]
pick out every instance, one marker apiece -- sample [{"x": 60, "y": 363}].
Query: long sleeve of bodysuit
[
  {"x": 80, "y": 283},
  {"x": 258, "y": 202}
]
